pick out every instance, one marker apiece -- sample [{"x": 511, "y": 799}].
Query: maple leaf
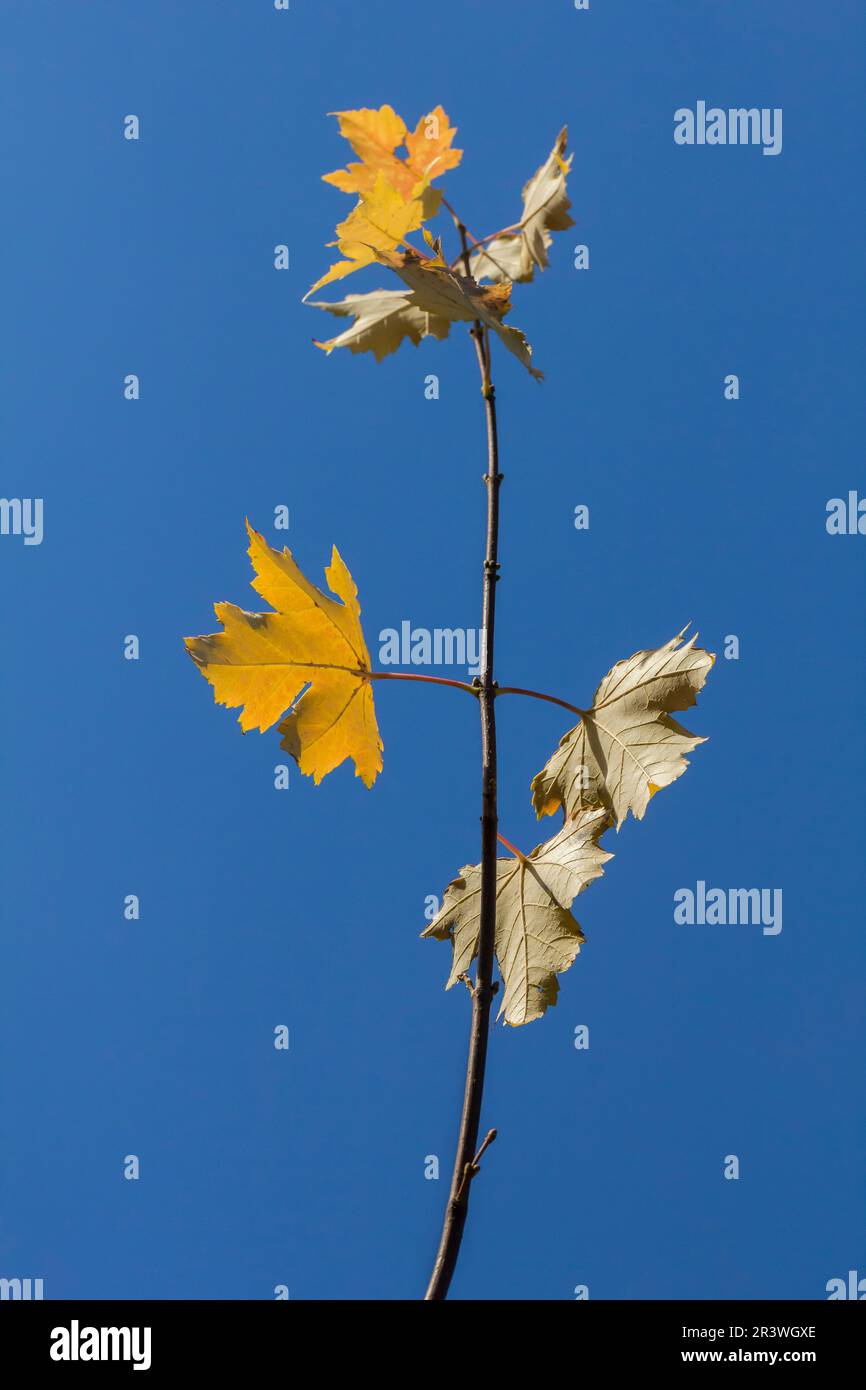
[
  {"x": 441, "y": 291},
  {"x": 627, "y": 746},
  {"x": 537, "y": 937},
  {"x": 380, "y": 220},
  {"x": 429, "y": 146},
  {"x": 375, "y": 137},
  {"x": 264, "y": 661},
  {"x": 514, "y": 255},
  {"x": 382, "y": 320}
]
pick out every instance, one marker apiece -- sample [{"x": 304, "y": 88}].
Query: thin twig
[
  {"x": 482, "y": 241},
  {"x": 475, "y": 1166},
  {"x": 466, "y": 1158},
  {"x": 458, "y": 223},
  {"x": 465, "y": 233}
]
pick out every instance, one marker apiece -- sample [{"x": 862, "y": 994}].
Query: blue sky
[{"x": 303, "y": 907}]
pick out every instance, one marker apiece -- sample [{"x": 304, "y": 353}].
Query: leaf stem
[
  {"x": 518, "y": 854},
  {"x": 465, "y": 1163},
  {"x": 462, "y": 228},
  {"x": 538, "y": 695},
  {"x": 503, "y": 231},
  {"x": 411, "y": 676},
  {"x": 482, "y": 241},
  {"x": 466, "y": 236},
  {"x": 473, "y": 689}
]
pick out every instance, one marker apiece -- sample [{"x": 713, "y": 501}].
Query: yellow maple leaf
[
  {"x": 375, "y": 137},
  {"x": 429, "y": 146},
  {"x": 379, "y": 222},
  {"x": 264, "y": 661}
]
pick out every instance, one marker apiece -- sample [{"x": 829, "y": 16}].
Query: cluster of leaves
[
  {"x": 624, "y": 749},
  {"x": 396, "y": 198},
  {"x": 309, "y": 657},
  {"x": 306, "y": 665}
]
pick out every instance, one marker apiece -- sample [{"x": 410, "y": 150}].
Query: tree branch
[{"x": 466, "y": 1158}]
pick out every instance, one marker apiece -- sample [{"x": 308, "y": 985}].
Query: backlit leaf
[
  {"x": 537, "y": 938},
  {"x": 379, "y": 222},
  {"x": 441, "y": 291},
  {"x": 381, "y": 321},
  {"x": 308, "y": 657},
  {"x": 627, "y": 746},
  {"x": 375, "y": 136},
  {"x": 514, "y": 255}
]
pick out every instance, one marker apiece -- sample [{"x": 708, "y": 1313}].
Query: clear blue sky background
[{"x": 303, "y": 907}]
